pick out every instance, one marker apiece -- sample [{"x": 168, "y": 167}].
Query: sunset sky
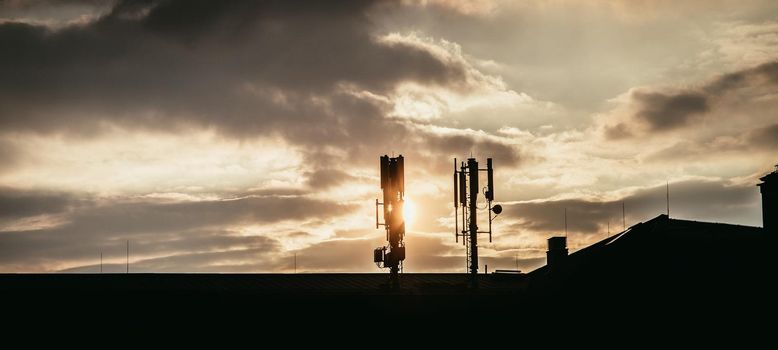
[{"x": 230, "y": 136}]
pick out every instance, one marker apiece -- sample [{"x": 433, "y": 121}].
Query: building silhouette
[{"x": 769, "y": 189}]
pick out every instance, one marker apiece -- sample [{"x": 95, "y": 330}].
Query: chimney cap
[{"x": 557, "y": 243}]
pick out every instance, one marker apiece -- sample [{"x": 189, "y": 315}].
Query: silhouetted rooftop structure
[
  {"x": 665, "y": 255},
  {"x": 769, "y": 189},
  {"x": 652, "y": 267}
]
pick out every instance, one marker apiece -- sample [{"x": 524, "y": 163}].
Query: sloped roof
[{"x": 773, "y": 176}]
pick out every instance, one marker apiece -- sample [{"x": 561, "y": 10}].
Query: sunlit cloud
[{"x": 122, "y": 162}]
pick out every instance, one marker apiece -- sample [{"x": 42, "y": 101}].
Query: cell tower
[
  {"x": 393, "y": 186},
  {"x": 466, "y": 195}
]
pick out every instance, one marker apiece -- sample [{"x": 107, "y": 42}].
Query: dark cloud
[
  {"x": 618, "y": 131},
  {"x": 150, "y": 217},
  {"x": 297, "y": 70},
  {"x": 325, "y": 178},
  {"x": 698, "y": 200},
  {"x": 549, "y": 217},
  {"x": 765, "y": 138},
  {"x": 716, "y": 201},
  {"x": 155, "y": 228},
  {"x": 754, "y": 140},
  {"x": 458, "y": 144},
  {"x": 263, "y": 257},
  {"x": 53, "y": 11},
  {"x": 437, "y": 151},
  {"x": 245, "y": 67},
  {"x": 10, "y": 155},
  {"x": 16, "y": 204},
  {"x": 668, "y": 110},
  {"x": 766, "y": 73}
]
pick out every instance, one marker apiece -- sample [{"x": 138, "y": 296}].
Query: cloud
[
  {"x": 16, "y": 204},
  {"x": 758, "y": 141},
  {"x": 260, "y": 256},
  {"x": 650, "y": 110},
  {"x": 766, "y": 137},
  {"x": 138, "y": 217},
  {"x": 469, "y": 8},
  {"x": 763, "y": 74},
  {"x": 53, "y": 13},
  {"x": 668, "y": 111},
  {"x": 503, "y": 153},
  {"x": 243, "y": 67},
  {"x": 706, "y": 200},
  {"x": 158, "y": 227},
  {"x": 322, "y": 77},
  {"x": 9, "y": 156},
  {"x": 743, "y": 43},
  {"x": 325, "y": 178}
]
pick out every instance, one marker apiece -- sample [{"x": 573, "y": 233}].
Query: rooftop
[{"x": 662, "y": 252}]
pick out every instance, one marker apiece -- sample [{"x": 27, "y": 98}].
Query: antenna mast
[
  {"x": 623, "y": 216},
  {"x": 393, "y": 186},
  {"x": 466, "y": 190}
]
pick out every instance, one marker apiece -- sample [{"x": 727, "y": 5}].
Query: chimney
[
  {"x": 557, "y": 251},
  {"x": 769, "y": 189}
]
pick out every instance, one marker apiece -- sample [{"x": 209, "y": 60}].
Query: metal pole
[
  {"x": 128, "y": 256},
  {"x": 456, "y": 204},
  {"x": 473, "y": 172},
  {"x": 489, "y": 211}
]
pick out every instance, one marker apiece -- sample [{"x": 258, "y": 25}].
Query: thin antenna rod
[
  {"x": 667, "y": 191},
  {"x": 101, "y": 262},
  {"x": 609, "y": 227},
  {"x": 517, "y": 261},
  {"x": 623, "y": 216},
  {"x": 128, "y": 256},
  {"x": 295, "y": 262}
]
